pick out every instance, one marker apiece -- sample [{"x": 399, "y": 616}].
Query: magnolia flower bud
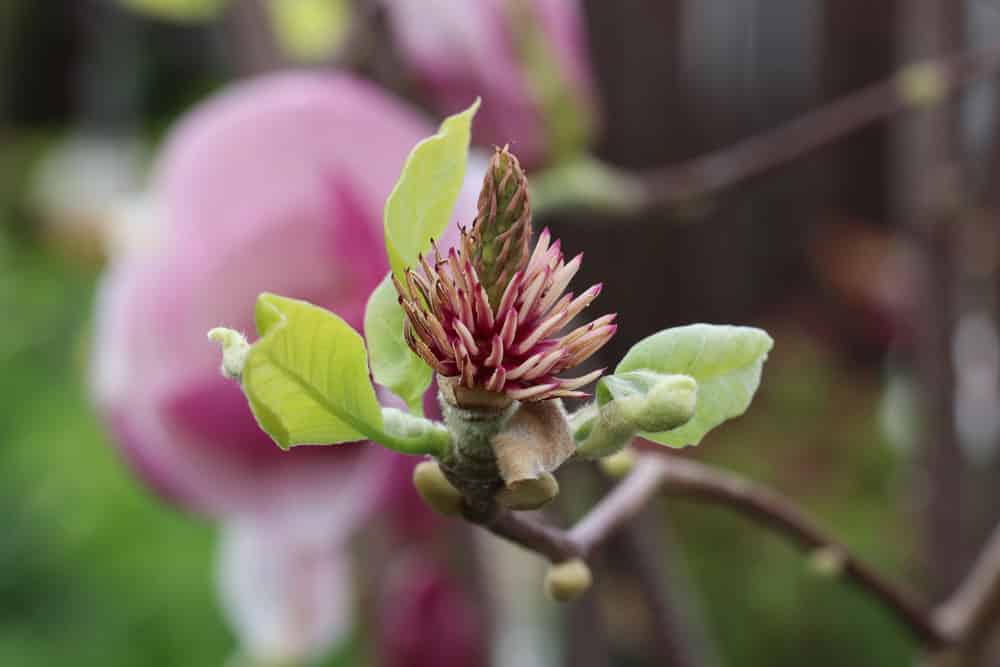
[
  {"x": 669, "y": 403},
  {"x": 568, "y": 580},
  {"x": 435, "y": 489},
  {"x": 501, "y": 233},
  {"x": 620, "y": 463}
]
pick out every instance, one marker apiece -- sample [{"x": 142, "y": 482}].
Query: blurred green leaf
[
  {"x": 394, "y": 365},
  {"x": 566, "y": 114},
  {"x": 726, "y": 361},
  {"x": 307, "y": 377},
  {"x": 420, "y": 206},
  {"x": 177, "y": 10},
  {"x": 310, "y": 30}
]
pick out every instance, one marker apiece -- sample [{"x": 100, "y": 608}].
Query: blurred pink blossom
[
  {"x": 427, "y": 620},
  {"x": 275, "y": 184},
  {"x": 460, "y": 49}
]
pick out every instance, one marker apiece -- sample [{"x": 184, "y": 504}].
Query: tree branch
[
  {"x": 964, "y": 619},
  {"x": 912, "y": 86},
  {"x": 553, "y": 543},
  {"x": 971, "y": 611},
  {"x": 676, "y": 476}
]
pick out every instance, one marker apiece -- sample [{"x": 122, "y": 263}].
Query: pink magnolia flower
[
  {"x": 459, "y": 49},
  {"x": 276, "y": 184}
]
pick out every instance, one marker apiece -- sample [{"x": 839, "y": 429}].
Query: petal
[{"x": 287, "y": 597}]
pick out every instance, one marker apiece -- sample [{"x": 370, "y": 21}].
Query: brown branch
[
  {"x": 553, "y": 543},
  {"x": 689, "y": 478},
  {"x": 965, "y": 618},
  {"x": 617, "y": 508},
  {"x": 676, "y": 476},
  {"x": 912, "y": 86},
  {"x": 974, "y": 608}
]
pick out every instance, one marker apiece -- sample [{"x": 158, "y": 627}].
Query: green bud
[
  {"x": 501, "y": 234},
  {"x": 826, "y": 561},
  {"x": 922, "y": 84},
  {"x": 636, "y": 402},
  {"x": 620, "y": 463},
  {"x": 435, "y": 489},
  {"x": 568, "y": 580}
]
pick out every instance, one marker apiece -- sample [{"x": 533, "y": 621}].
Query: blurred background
[{"x": 871, "y": 260}]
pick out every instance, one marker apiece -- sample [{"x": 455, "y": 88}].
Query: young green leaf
[
  {"x": 651, "y": 401},
  {"x": 307, "y": 377},
  {"x": 726, "y": 362},
  {"x": 419, "y": 207},
  {"x": 394, "y": 365}
]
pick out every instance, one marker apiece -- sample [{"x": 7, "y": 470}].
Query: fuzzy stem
[{"x": 469, "y": 463}]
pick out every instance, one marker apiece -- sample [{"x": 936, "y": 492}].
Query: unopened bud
[
  {"x": 619, "y": 464},
  {"x": 568, "y": 580},
  {"x": 235, "y": 349},
  {"x": 435, "y": 489},
  {"x": 826, "y": 561},
  {"x": 501, "y": 233},
  {"x": 669, "y": 404},
  {"x": 922, "y": 84}
]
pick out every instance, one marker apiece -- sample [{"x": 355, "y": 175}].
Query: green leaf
[
  {"x": 307, "y": 377},
  {"x": 310, "y": 30},
  {"x": 394, "y": 364},
  {"x": 177, "y": 10},
  {"x": 420, "y": 206},
  {"x": 651, "y": 401},
  {"x": 726, "y": 362}
]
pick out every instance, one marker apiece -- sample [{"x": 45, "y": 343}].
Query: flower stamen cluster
[{"x": 510, "y": 344}]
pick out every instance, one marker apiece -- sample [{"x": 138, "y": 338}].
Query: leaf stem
[{"x": 411, "y": 434}]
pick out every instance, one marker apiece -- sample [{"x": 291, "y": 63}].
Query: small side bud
[
  {"x": 669, "y": 404},
  {"x": 922, "y": 84},
  {"x": 529, "y": 494},
  {"x": 826, "y": 562},
  {"x": 619, "y": 464},
  {"x": 235, "y": 349},
  {"x": 568, "y": 580},
  {"x": 435, "y": 489}
]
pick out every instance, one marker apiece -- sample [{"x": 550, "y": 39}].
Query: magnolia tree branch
[
  {"x": 974, "y": 608},
  {"x": 970, "y": 613},
  {"x": 916, "y": 85}
]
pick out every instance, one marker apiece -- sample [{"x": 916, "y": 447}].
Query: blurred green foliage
[
  {"x": 93, "y": 570},
  {"x": 811, "y": 433}
]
